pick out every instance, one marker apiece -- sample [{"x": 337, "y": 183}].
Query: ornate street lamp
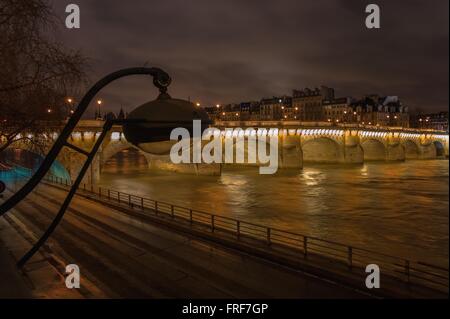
[{"x": 148, "y": 127}]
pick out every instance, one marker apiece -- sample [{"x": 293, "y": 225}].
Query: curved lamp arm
[{"x": 160, "y": 79}]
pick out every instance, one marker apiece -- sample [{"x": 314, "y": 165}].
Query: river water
[{"x": 396, "y": 208}]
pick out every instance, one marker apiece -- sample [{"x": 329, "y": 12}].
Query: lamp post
[
  {"x": 70, "y": 110},
  {"x": 136, "y": 129},
  {"x": 99, "y": 103}
]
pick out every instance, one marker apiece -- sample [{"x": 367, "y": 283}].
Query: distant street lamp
[
  {"x": 148, "y": 127},
  {"x": 99, "y": 103},
  {"x": 70, "y": 110}
]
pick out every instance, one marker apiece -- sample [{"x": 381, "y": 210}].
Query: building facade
[
  {"x": 435, "y": 121},
  {"x": 274, "y": 108},
  {"x": 320, "y": 105},
  {"x": 380, "y": 111},
  {"x": 307, "y": 103},
  {"x": 250, "y": 111},
  {"x": 339, "y": 110}
]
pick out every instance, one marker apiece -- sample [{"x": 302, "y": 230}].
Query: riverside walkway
[
  {"x": 12, "y": 283},
  {"x": 112, "y": 235},
  {"x": 121, "y": 255}
]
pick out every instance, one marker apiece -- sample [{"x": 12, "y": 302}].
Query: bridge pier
[
  {"x": 74, "y": 161},
  {"x": 427, "y": 151},
  {"x": 290, "y": 152},
  {"x": 395, "y": 152},
  {"x": 353, "y": 152}
]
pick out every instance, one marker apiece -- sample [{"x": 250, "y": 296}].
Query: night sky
[{"x": 232, "y": 51}]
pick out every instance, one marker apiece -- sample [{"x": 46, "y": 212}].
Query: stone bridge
[{"x": 298, "y": 143}]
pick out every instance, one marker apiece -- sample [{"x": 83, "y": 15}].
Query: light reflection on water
[{"x": 397, "y": 208}]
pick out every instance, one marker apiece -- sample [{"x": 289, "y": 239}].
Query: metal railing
[{"x": 348, "y": 257}]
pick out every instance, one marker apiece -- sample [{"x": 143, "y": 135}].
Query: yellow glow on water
[{"x": 394, "y": 207}]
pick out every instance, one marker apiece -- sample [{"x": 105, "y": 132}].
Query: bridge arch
[
  {"x": 321, "y": 150},
  {"x": 440, "y": 149},
  {"x": 124, "y": 159},
  {"x": 374, "y": 150},
  {"x": 412, "y": 150},
  {"x": 428, "y": 150},
  {"x": 113, "y": 148}
]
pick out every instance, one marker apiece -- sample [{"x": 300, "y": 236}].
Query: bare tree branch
[{"x": 36, "y": 72}]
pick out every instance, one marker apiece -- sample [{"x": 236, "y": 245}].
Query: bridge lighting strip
[
  {"x": 115, "y": 136},
  {"x": 76, "y": 135},
  {"x": 88, "y": 135}
]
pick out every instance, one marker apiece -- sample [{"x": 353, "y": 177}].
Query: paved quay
[
  {"x": 122, "y": 257},
  {"x": 12, "y": 283}
]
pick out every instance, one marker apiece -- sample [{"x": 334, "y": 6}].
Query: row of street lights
[
  {"x": 198, "y": 104},
  {"x": 71, "y": 102}
]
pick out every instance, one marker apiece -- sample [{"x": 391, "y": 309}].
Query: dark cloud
[{"x": 227, "y": 51}]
